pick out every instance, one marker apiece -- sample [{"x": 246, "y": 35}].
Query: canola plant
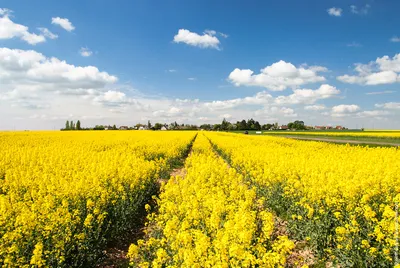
[
  {"x": 341, "y": 199},
  {"x": 241, "y": 201},
  {"x": 64, "y": 195},
  {"x": 209, "y": 218}
]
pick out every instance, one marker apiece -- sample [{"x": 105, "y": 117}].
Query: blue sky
[{"x": 324, "y": 62}]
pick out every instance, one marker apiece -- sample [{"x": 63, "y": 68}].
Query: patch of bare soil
[{"x": 301, "y": 254}]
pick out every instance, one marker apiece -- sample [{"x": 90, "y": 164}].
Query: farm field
[
  {"x": 237, "y": 200},
  {"x": 373, "y": 138}
]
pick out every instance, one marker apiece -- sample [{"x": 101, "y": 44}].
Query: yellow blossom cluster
[
  {"x": 63, "y": 195},
  {"x": 341, "y": 198},
  {"x": 209, "y": 218}
]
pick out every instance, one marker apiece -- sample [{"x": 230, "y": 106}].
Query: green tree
[
  {"x": 71, "y": 125},
  {"x": 257, "y": 125},
  {"x": 78, "y": 125},
  {"x": 67, "y": 125},
  {"x": 243, "y": 125},
  {"x": 224, "y": 124},
  {"x": 149, "y": 124},
  {"x": 217, "y": 127},
  {"x": 158, "y": 126}
]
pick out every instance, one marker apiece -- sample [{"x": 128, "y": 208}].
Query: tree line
[
  {"x": 225, "y": 125},
  {"x": 70, "y": 125}
]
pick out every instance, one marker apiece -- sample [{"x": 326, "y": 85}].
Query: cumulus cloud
[
  {"x": 85, "y": 52},
  {"x": 389, "y": 105},
  {"x": 384, "y": 70},
  {"x": 113, "y": 98},
  {"x": 207, "y": 40},
  {"x": 171, "y": 112},
  {"x": 373, "y": 113},
  {"x": 335, "y": 11},
  {"x": 10, "y": 29},
  {"x": 277, "y": 77},
  {"x": 261, "y": 98},
  {"x": 315, "y": 107},
  {"x": 308, "y": 96},
  {"x": 63, "y": 23},
  {"x": 395, "y": 39},
  {"x": 344, "y": 110},
  {"x": 46, "y": 32},
  {"x": 25, "y": 71},
  {"x": 274, "y": 111}
]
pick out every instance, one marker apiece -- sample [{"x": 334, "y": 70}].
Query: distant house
[
  {"x": 106, "y": 128},
  {"x": 329, "y": 127},
  {"x": 320, "y": 127},
  {"x": 339, "y": 127},
  {"x": 283, "y": 127},
  {"x": 123, "y": 128},
  {"x": 164, "y": 128}
]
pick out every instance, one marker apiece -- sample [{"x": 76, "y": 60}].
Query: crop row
[
  {"x": 341, "y": 200},
  {"x": 63, "y": 196},
  {"x": 209, "y": 218}
]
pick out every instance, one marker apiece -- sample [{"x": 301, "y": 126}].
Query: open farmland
[
  {"x": 238, "y": 201},
  {"x": 389, "y": 138}
]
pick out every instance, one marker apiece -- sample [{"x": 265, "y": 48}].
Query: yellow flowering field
[
  {"x": 390, "y": 134},
  {"x": 341, "y": 199},
  {"x": 210, "y": 218},
  {"x": 64, "y": 195},
  {"x": 240, "y": 201}
]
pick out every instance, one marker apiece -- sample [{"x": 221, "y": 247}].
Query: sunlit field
[{"x": 201, "y": 199}]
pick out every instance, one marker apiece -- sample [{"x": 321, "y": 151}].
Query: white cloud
[
  {"x": 261, "y": 98},
  {"x": 207, "y": 40},
  {"x": 46, "y": 32},
  {"x": 85, "y": 52},
  {"x": 5, "y": 11},
  {"x": 373, "y": 113},
  {"x": 210, "y": 32},
  {"x": 308, "y": 96},
  {"x": 360, "y": 11},
  {"x": 270, "y": 112},
  {"x": 315, "y": 107},
  {"x": 63, "y": 23},
  {"x": 113, "y": 98},
  {"x": 335, "y": 11},
  {"x": 192, "y": 78},
  {"x": 395, "y": 39},
  {"x": 226, "y": 116},
  {"x": 384, "y": 70},
  {"x": 171, "y": 71},
  {"x": 343, "y": 110},
  {"x": 29, "y": 70},
  {"x": 277, "y": 77},
  {"x": 171, "y": 112},
  {"x": 10, "y": 29},
  {"x": 389, "y": 105},
  {"x": 380, "y": 92}
]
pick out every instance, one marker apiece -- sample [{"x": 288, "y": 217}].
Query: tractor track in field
[{"x": 116, "y": 254}]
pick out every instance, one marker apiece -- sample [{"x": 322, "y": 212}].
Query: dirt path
[
  {"x": 342, "y": 141},
  {"x": 115, "y": 256}
]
